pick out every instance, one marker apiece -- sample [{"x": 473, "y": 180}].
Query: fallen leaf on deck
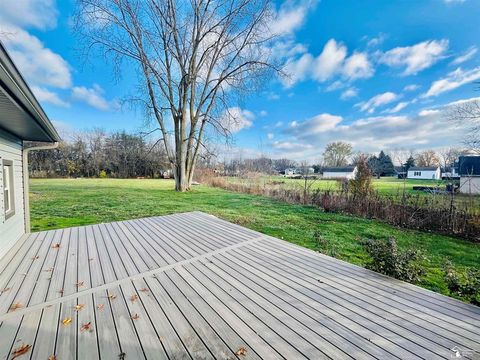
[
  {"x": 112, "y": 296},
  {"x": 122, "y": 356},
  {"x": 79, "y": 284},
  {"x": 16, "y": 306},
  {"x": 134, "y": 298},
  {"x": 4, "y": 290},
  {"x": 100, "y": 306},
  {"x": 144, "y": 290},
  {"x": 52, "y": 357},
  {"x": 66, "y": 321},
  {"x": 22, "y": 350},
  {"x": 91, "y": 259},
  {"x": 35, "y": 258},
  {"x": 135, "y": 316},
  {"x": 61, "y": 291},
  {"x": 55, "y": 246},
  {"x": 79, "y": 307},
  {"x": 48, "y": 270},
  {"x": 87, "y": 326},
  {"x": 241, "y": 351}
]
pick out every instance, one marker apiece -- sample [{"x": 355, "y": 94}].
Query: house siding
[
  {"x": 470, "y": 185},
  {"x": 13, "y": 228},
  {"x": 338, "y": 175},
  {"x": 425, "y": 174}
]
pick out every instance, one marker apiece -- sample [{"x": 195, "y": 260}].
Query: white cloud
[
  {"x": 297, "y": 70},
  {"x": 428, "y": 112},
  {"x": 315, "y": 125},
  {"x": 235, "y": 119},
  {"x": 45, "y": 95},
  {"x": 329, "y": 61},
  {"x": 376, "y": 41},
  {"x": 378, "y": 100},
  {"x": 452, "y": 81},
  {"x": 270, "y": 136},
  {"x": 454, "y": 1},
  {"x": 263, "y": 113},
  {"x": 400, "y": 106},
  {"x": 411, "y": 87},
  {"x": 93, "y": 96},
  {"x": 291, "y": 16},
  {"x": 40, "y": 14},
  {"x": 40, "y": 65},
  {"x": 467, "y": 55},
  {"x": 417, "y": 57},
  {"x": 357, "y": 66},
  {"x": 349, "y": 93}
]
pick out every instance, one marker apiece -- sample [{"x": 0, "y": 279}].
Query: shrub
[
  {"x": 103, "y": 174},
  {"x": 465, "y": 284},
  {"x": 388, "y": 259},
  {"x": 361, "y": 184}
]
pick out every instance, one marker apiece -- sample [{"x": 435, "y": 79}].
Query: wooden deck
[{"x": 191, "y": 286}]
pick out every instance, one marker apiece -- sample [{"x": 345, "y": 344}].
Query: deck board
[{"x": 192, "y": 286}]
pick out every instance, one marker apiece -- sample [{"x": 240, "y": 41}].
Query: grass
[{"x": 58, "y": 203}]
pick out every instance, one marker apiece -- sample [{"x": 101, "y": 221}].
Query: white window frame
[{"x": 8, "y": 189}]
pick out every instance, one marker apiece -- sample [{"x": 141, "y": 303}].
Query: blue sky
[{"x": 375, "y": 73}]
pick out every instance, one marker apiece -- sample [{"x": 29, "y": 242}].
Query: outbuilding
[
  {"x": 424, "y": 173},
  {"x": 21, "y": 119},
  {"x": 342, "y": 172},
  {"x": 469, "y": 170}
]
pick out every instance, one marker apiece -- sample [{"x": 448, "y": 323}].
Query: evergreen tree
[{"x": 409, "y": 163}]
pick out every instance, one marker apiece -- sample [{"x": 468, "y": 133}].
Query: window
[
  {"x": 417, "y": 173},
  {"x": 8, "y": 189}
]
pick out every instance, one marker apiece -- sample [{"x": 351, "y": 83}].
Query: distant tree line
[{"x": 96, "y": 153}]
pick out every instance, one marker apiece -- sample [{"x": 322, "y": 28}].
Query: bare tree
[
  {"x": 467, "y": 116},
  {"x": 337, "y": 153},
  {"x": 193, "y": 59},
  {"x": 427, "y": 158},
  {"x": 448, "y": 156}
]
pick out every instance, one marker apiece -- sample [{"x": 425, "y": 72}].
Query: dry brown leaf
[
  {"x": 67, "y": 321},
  {"x": 16, "y": 306},
  {"x": 79, "y": 307},
  {"x": 134, "y": 298},
  {"x": 79, "y": 284},
  {"x": 91, "y": 259},
  {"x": 144, "y": 290},
  {"x": 135, "y": 316},
  {"x": 48, "y": 270},
  {"x": 241, "y": 351},
  {"x": 100, "y": 306},
  {"x": 52, "y": 357},
  {"x": 35, "y": 257},
  {"x": 112, "y": 296},
  {"x": 22, "y": 350},
  {"x": 86, "y": 327},
  {"x": 55, "y": 246},
  {"x": 4, "y": 290},
  {"x": 61, "y": 291}
]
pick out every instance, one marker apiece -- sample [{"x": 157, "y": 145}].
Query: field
[{"x": 57, "y": 203}]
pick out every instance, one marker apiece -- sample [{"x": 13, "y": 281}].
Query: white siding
[
  {"x": 424, "y": 174},
  {"x": 470, "y": 185},
  {"x": 12, "y": 228},
  {"x": 338, "y": 175}
]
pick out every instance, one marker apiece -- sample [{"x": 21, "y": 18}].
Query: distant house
[
  {"x": 450, "y": 173},
  {"x": 290, "y": 171},
  {"x": 424, "y": 173},
  {"x": 343, "y": 172},
  {"x": 469, "y": 171}
]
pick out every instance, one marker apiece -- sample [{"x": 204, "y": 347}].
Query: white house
[
  {"x": 21, "y": 118},
  {"x": 344, "y": 172},
  {"x": 290, "y": 171},
  {"x": 424, "y": 173},
  {"x": 469, "y": 170}
]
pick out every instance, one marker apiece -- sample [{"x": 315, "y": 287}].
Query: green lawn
[{"x": 57, "y": 203}]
